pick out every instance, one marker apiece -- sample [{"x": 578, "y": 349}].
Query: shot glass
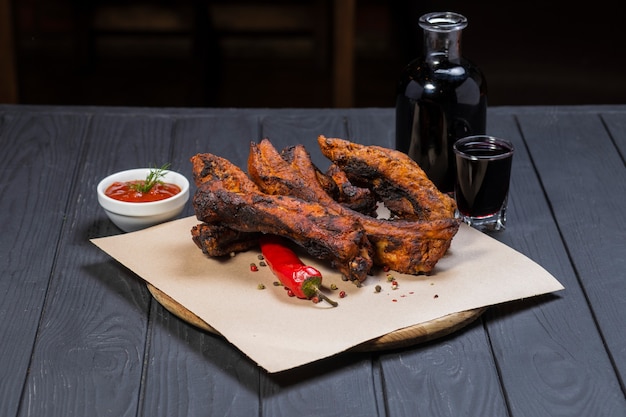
[{"x": 483, "y": 171}]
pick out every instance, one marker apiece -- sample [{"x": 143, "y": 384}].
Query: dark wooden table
[{"x": 80, "y": 335}]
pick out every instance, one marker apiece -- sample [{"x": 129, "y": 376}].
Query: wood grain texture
[
  {"x": 81, "y": 335},
  {"x": 289, "y": 130},
  {"x": 373, "y": 127},
  {"x": 227, "y": 135},
  {"x": 454, "y": 377},
  {"x": 591, "y": 166},
  {"x": 38, "y": 152},
  {"x": 548, "y": 349},
  {"x": 193, "y": 373},
  {"x": 90, "y": 346},
  {"x": 616, "y": 127},
  {"x": 339, "y": 386}
]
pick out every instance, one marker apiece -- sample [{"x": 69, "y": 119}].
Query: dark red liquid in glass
[{"x": 482, "y": 184}]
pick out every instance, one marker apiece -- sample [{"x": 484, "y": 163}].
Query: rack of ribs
[
  {"x": 226, "y": 197},
  {"x": 406, "y": 246},
  {"x": 394, "y": 177}
]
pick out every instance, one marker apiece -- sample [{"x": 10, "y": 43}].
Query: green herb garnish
[{"x": 153, "y": 178}]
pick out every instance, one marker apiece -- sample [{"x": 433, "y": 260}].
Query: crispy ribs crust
[
  {"x": 356, "y": 198},
  {"x": 395, "y": 178},
  {"x": 227, "y": 196},
  {"x": 405, "y": 246},
  {"x": 219, "y": 240}
]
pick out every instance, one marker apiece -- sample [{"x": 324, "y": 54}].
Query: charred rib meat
[
  {"x": 219, "y": 240},
  {"x": 405, "y": 246},
  {"x": 395, "y": 178},
  {"x": 227, "y": 196}
]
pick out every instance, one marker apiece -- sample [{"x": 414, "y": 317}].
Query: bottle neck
[
  {"x": 439, "y": 46},
  {"x": 442, "y": 36}
]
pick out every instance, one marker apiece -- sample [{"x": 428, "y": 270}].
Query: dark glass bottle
[{"x": 441, "y": 97}]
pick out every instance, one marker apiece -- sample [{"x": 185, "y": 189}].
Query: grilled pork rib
[
  {"x": 358, "y": 199},
  {"x": 405, "y": 246},
  {"x": 227, "y": 196},
  {"x": 395, "y": 178},
  {"x": 219, "y": 240}
]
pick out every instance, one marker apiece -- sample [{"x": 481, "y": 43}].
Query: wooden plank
[
  {"x": 444, "y": 378},
  {"x": 191, "y": 372},
  {"x": 589, "y": 208},
  {"x": 548, "y": 351},
  {"x": 90, "y": 348},
  {"x": 304, "y": 128},
  {"x": 38, "y": 151},
  {"x": 210, "y": 373},
  {"x": 226, "y": 135},
  {"x": 338, "y": 386},
  {"x": 372, "y": 127},
  {"x": 616, "y": 125}
]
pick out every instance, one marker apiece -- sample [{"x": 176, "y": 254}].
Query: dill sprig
[{"x": 153, "y": 178}]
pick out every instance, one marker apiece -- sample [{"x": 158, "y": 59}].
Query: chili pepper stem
[{"x": 328, "y": 300}]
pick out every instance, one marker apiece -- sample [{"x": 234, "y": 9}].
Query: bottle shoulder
[
  {"x": 423, "y": 72},
  {"x": 464, "y": 67},
  {"x": 468, "y": 87}
]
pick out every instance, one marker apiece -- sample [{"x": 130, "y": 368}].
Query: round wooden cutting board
[{"x": 407, "y": 336}]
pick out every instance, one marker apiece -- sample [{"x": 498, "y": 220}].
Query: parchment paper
[{"x": 280, "y": 332}]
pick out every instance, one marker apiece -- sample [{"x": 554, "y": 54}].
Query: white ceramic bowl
[{"x": 135, "y": 216}]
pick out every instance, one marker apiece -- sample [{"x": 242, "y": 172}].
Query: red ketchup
[{"x": 124, "y": 191}]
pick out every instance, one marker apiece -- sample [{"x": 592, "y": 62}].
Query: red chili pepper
[{"x": 303, "y": 280}]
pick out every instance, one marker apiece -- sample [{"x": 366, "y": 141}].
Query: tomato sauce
[{"x": 124, "y": 191}]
